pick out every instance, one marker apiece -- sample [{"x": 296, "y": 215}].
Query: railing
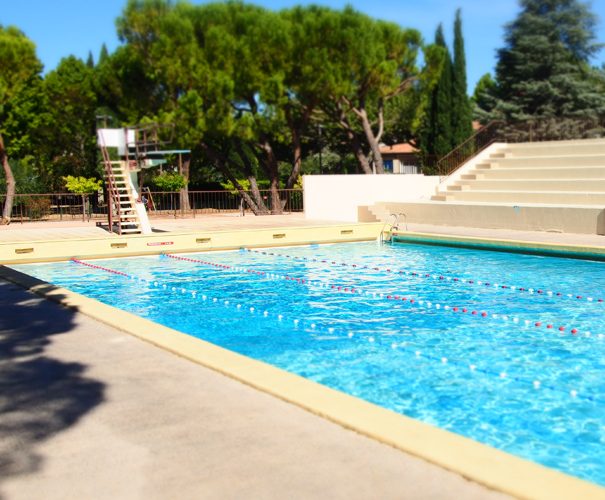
[
  {"x": 69, "y": 206},
  {"x": 56, "y": 207},
  {"x": 161, "y": 204},
  {"x": 472, "y": 146}
]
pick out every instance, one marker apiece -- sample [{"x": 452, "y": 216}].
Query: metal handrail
[
  {"x": 394, "y": 224},
  {"x": 472, "y": 146}
]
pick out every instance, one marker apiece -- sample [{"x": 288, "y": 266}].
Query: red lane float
[
  {"x": 94, "y": 266},
  {"x": 343, "y": 289},
  {"x": 427, "y": 275}
]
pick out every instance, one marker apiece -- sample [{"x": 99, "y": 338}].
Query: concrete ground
[{"x": 87, "y": 411}]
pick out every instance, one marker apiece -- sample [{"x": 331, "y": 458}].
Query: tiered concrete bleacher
[{"x": 543, "y": 186}]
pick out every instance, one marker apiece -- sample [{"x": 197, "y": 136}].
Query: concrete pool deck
[{"x": 240, "y": 438}]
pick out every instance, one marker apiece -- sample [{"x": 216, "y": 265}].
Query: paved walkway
[{"x": 91, "y": 412}]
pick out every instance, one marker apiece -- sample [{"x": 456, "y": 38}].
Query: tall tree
[
  {"x": 462, "y": 126},
  {"x": 436, "y": 133},
  {"x": 71, "y": 141},
  {"x": 482, "y": 99},
  {"x": 543, "y": 70},
  {"x": 20, "y": 66},
  {"x": 358, "y": 67}
]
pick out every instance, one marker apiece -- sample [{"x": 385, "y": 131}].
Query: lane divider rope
[
  {"x": 436, "y": 276},
  {"x": 389, "y": 296},
  {"x": 443, "y": 360}
]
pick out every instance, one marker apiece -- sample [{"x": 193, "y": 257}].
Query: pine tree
[
  {"x": 482, "y": 100},
  {"x": 104, "y": 54},
  {"x": 543, "y": 70},
  {"x": 461, "y": 114},
  {"x": 90, "y": 61}
]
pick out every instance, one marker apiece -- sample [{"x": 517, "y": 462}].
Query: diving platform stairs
[
  {"x": 554, "y": 186},
  {"x": 126, "y": 214}
]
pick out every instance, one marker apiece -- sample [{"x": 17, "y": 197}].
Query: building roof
[{"x": 398, "y": 149}]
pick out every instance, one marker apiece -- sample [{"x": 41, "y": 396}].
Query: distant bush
[
  {"x": 37, "y": 207},
  {"x": 169, "y": 181}
]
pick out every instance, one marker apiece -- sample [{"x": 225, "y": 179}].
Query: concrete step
[
  {"x": 575, "y": 184},
  {"x": 550, "y": 161},
  {"x": 554, "y": 197},
  {"x": 595, "y": 172},
  {"x": 529, "y": 217},
  {"x": 554, "y": 149}
]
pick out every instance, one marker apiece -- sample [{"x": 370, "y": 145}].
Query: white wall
[{"x": 336, "y": 197}]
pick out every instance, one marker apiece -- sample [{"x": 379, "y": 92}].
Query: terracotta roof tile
[{"x": 398, "y": 148}]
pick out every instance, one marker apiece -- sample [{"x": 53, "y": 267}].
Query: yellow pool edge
[
  {"x": 23, "y": 252},
  {"x": 481, "y": 463}
]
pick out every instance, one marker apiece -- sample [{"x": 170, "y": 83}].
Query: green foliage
[
  {"x": 244, "y": 87},
  {"x": 436, "y": 134},
  {"x": 461, "y": 114},
  {"x": 249, "y": 85},
  {"x": 482, "y": 100},
  {"x": 229, "y": 186},
  {"x": 543, "y": 69},
  {"x": 18, "y": 61},
  {"x": 448, "y": 118},
  {"x": 169, "y": 181},
  {"x": 26, "y": 177},
  {"x": 82, "y": 185},
  {"x": 70, "y": 142}
]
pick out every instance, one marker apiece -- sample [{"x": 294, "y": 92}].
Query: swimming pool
[{"x": 505, "y": 349}]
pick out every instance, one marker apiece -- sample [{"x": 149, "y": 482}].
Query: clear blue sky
[{"x": 63, "y": 27}]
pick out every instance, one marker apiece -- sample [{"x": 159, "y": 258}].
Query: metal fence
[
  {"x": 69, "y": 206},
  {"x": 162, "y": 204}
]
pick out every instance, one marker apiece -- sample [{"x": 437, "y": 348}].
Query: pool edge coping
[
  {"x": 53, "y": 250},
  {"x": 490, "y": 467},
  {"x": 550, "y": 249}
]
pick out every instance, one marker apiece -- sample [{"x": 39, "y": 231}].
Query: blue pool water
[{"x": 500, "y": 376}]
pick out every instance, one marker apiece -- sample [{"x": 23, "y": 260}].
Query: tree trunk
[
  {"x": 357, "y": 150},
  {"x": 261, "y": 207},
  {"x": 10, "y": 186},
  {"x": 258, "y": 197},
  {"x": 221, "y": 163},
  {"x": 296, "y": 160},
  {"x": 273, "y": 174},
  {"x": 341, "y": 118},
  {"x": 373, "y": 140},
  {"x": 184, "y": 193}
]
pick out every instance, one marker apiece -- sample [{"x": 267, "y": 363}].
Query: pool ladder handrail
[{"x": 394, "y": 225}]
